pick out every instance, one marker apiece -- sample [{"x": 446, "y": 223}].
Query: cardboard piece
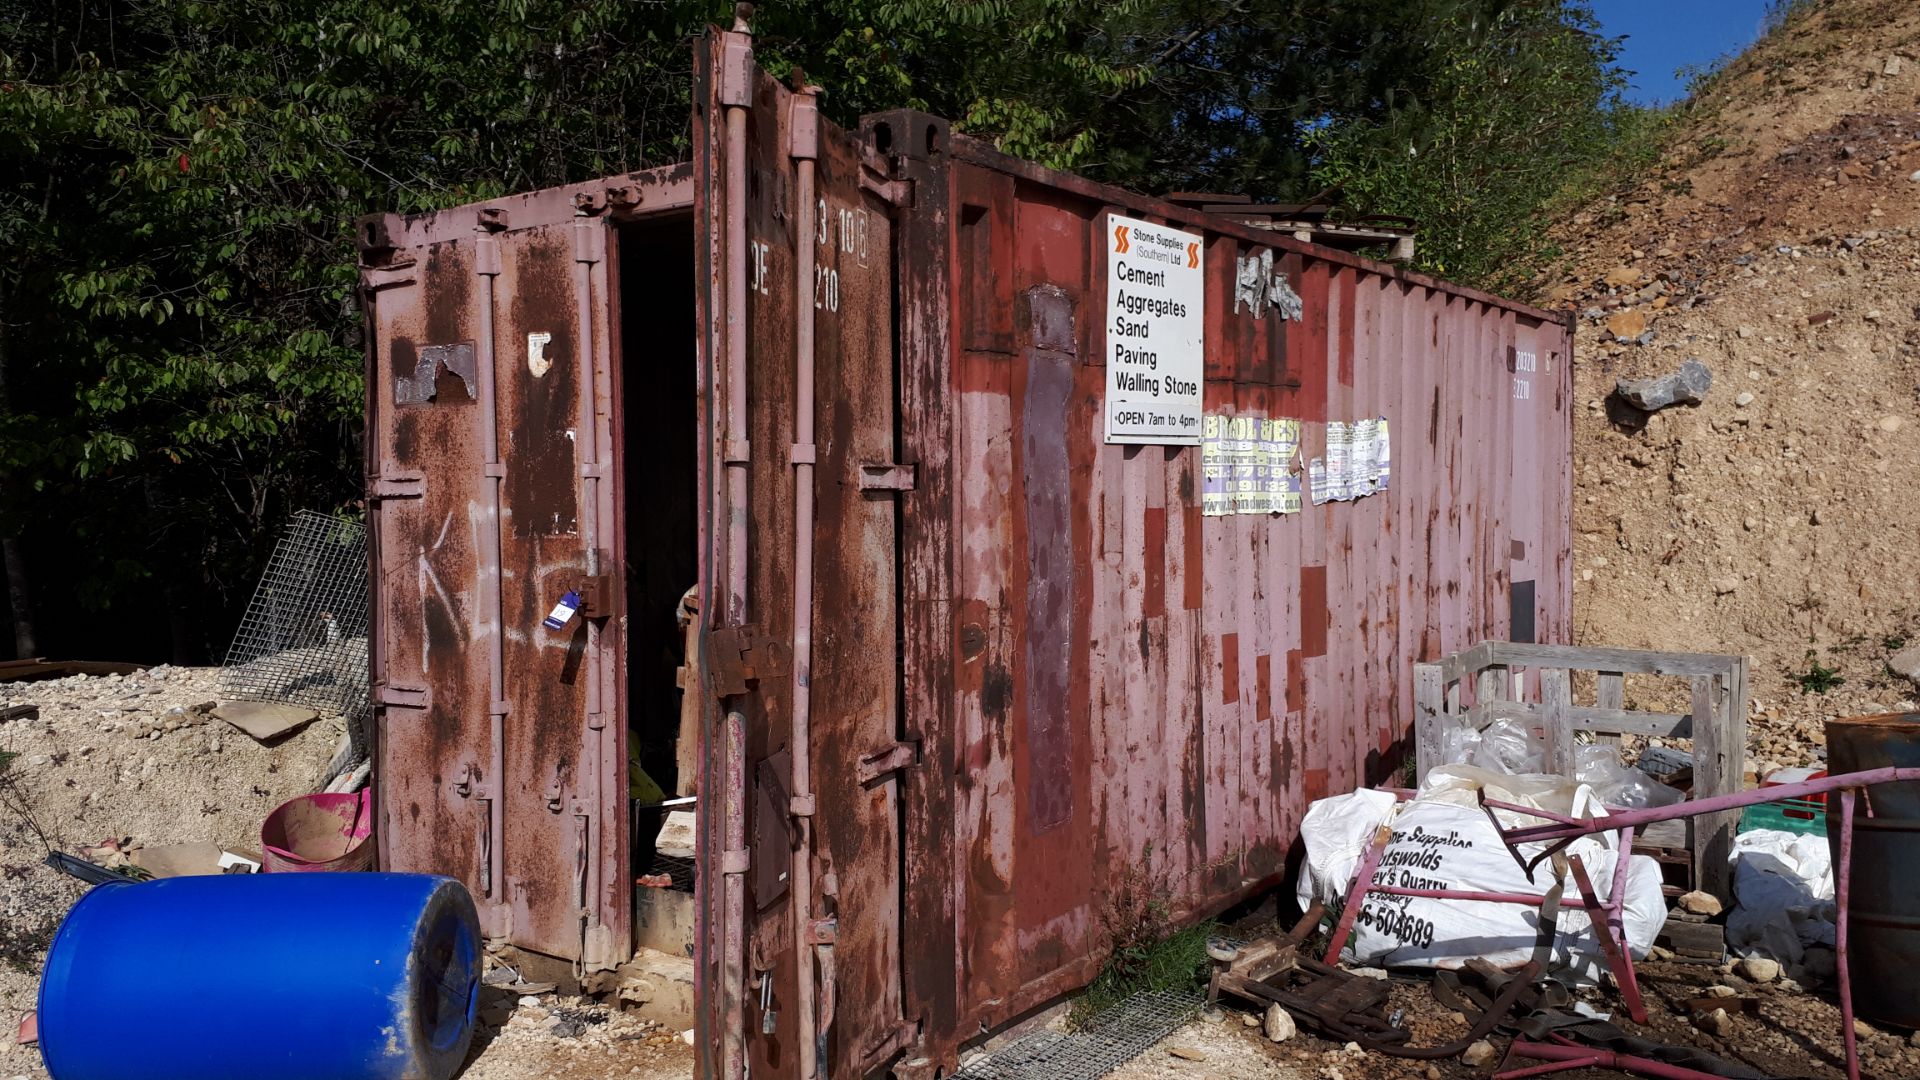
[
  {"x": 266, "y": 720},
  {"x": 192, "y": 860}
]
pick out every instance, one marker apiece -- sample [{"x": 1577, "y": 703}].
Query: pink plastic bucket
[{"x": 319, "y": 832}]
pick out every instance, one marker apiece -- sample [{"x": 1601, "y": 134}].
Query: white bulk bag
[{"x": 1444, "y": 840}]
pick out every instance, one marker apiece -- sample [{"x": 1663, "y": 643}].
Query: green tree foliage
[
  {"x": 1515, "y": 106},
  {"x": 180, "y": 347}
]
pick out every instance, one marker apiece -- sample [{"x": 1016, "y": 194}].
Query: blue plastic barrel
[{"x": 263, "y": 977}]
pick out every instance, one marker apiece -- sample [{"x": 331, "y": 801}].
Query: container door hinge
[
  {"x": 886, "y": 477},
  {"x": 891, "y": 760},
  {"x": 402, "y": 697},
  {"x": 897, "y": 193},
  {"x": 404, "y": 485},
  {"x": 738, "y": 655}
]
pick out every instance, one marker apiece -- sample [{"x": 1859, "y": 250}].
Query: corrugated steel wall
[{"x": 1114, "y": 692}]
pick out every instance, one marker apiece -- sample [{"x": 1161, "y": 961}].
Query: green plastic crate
[{"x": 1775, "y": 816}]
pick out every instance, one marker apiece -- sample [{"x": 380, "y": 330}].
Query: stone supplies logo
[{"x": 1154, "y": 333}]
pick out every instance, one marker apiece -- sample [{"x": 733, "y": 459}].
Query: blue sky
[{"x": 1665, "y": 35}]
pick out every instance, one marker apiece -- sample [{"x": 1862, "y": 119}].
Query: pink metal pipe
[
  {"x": 494, "y": 915},
  {"x": 805, "y": 131},
  {"x": 1617, "y": 913},
  {"x": 1550, "y": 1067},
  {"x": 1530, "y": 811},
  {"x": 1357, "y": 892},
  {"x": 1693, "y": 807},
  {"x": 589, "y": 247},
  {"x": 733, "y": 975},
  {"x": 1619, "y": 959},
  {"x": 1573, "y": 1057},
  {"x": 1523, "y": 899},
  {"x": 1841, "y": 876}
]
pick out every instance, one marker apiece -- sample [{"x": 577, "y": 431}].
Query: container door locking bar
[
  {"x": 886, "y": 477},
  {"x": 400, "y": 485}
]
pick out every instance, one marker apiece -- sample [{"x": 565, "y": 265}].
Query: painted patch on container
[
  {"x": 1156, "y": 337},
  {"x": 1047, "y": 473},
  {"x": 1520, "y": 611}
]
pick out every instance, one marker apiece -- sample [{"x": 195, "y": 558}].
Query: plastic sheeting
[{"x": 1783, "y": 896}]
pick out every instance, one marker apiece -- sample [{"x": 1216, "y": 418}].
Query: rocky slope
[{"x": 1778, "y": 243}]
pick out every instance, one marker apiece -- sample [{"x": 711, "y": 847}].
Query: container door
[
  {"x": 845, "y": 929},
  {"x": 496, "y": 655}
]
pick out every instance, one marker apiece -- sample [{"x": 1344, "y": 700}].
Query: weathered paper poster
[
  {"x": 1357, "y": 463},
  {"x": 1247, "y": 466}
]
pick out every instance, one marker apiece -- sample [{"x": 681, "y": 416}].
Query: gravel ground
[
  {"x": 1792, "y": 1033},
  {"x": 131, "y": 759}
]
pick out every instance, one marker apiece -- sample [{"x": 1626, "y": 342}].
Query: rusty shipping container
[{"x": 959, "y": 663}]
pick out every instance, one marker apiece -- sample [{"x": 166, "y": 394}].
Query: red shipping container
[{"x": 870, "y": 378}]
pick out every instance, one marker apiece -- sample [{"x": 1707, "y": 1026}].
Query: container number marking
[
  {"x": 826, "y": 288},
  {"x": 1528, "y": 363},
  {"x": 850, "y": 223},
  {"x": 759, "y": 267}
]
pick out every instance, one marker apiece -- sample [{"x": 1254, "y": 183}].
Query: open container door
[
  {"x": 489, "y": 431},
  {"x": 802, "y": 752}
]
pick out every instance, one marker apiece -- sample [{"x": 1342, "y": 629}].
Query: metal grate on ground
[
  {"x": 1110, "y": 1040},
  {"x": 303, "y": 640}
]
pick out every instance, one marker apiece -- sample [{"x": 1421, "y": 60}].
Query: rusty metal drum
[{"x": 1884, "y": 907}]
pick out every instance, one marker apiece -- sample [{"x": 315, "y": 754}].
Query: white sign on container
[{"x": 1156, "y": 339}]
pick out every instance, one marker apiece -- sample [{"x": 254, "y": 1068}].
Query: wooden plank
[
  {"x": 1664, "y": 834},
  {"x": 1556, "y": 723},
  {"x": 1694, "y": 939},
  {"x": 1632, "y": 661},
  {"x": 1589, "y": 718},
  {"x": 1712, "y": 833},
  {"x": 1610, "y": 693},
  {"x": 1489, "y": 685},
  {"x": 40, "y": 668},
  {"x": 1467, "y": 661},
  {"x": 1429, "y": 699},
  {"x": 1736, "y": 729}
]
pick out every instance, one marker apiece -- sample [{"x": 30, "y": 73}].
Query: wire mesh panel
[
  {"x": 1114, "y": 1037},
  {"x": 303, "y": 639}
]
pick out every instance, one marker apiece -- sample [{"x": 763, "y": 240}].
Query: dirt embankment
[{"x": 1779, "y": 243}]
